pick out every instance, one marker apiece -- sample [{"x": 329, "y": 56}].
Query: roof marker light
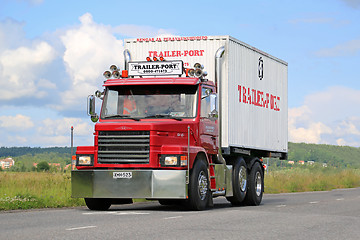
[
  {"x": 148, "y": 59},
  {"x": 113, "y": 68},
  {"x": 198, "y": 66},
  {"x": 107, "y": 74},
  {"x": 190, "y": 72},
  {"x": 198, "y": 72},
  {"x": 116, "y": 74}
]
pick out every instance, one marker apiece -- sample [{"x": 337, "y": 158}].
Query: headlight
[
  {"x": 173, "y": 160},
  {"x": 84, "y": 160}
]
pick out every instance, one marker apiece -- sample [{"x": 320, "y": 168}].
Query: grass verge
[
  {"x": 26, "y": 190},
  {"x": 308, "y": 179}
]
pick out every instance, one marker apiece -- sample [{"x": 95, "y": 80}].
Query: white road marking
[
  {"x": 131, "y": 213},
  {"x": 339, "y": 199},
  {"x": 282, "y": 205},
  {"x": 173, "y": 217},
  {"x": 116, "y": 213},
  {"x": 79, "y": 228},
  {"x": 99, "y": 213},
  {"x": 314, "y": 202}
]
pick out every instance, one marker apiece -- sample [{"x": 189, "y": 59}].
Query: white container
[{"x": 254, "y": 86}]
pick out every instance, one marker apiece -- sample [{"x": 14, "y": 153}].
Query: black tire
[
  {"x": 239, "y": 182},
  {"x": 99, "y": 204},
  {"x": 199, "y": 192},
  {"x": 255, "y": 185}
]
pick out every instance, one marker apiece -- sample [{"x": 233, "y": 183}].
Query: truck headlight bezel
[
  {"x": 84, "y": 160},
  {"x": 173, "y": 160}
]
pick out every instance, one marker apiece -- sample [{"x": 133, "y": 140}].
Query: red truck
[{"x": 187, "y": 120}]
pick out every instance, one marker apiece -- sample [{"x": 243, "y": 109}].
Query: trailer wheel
[
  {"x": 99, "y": 204},
  {"x": 256, "y": 185},
  {"x": 239, "y": 182},
  {"x": 199, "y": 192}
]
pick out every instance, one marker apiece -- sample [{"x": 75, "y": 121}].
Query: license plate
[{"x": 122, "y": 175}]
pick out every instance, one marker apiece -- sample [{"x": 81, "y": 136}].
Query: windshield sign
[{"x": 155, "y": 68}]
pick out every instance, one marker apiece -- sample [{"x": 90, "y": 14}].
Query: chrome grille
[{"x": 123, "y": 147}]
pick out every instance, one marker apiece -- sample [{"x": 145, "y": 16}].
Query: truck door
[{"x": 208, "y": 123}]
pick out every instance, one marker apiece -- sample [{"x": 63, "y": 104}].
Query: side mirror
[
  {"x": 214, "y": 111},
  {"x": 91, "y": 108},
  {"x": 207, "y": 93}
]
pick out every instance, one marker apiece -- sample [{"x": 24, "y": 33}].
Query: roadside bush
[{"x": 43, "y": 166}]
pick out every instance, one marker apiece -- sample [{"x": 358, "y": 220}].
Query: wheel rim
[
  {"x": 242, "y": 178},
  {"x": 202, "y": 185},
  {"x": 258, "y": 184}
]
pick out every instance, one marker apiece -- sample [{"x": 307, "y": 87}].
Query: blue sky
[{"x": 53, "y": 53}]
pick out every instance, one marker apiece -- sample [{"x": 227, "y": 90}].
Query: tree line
[{"x": 333, "y": 156}]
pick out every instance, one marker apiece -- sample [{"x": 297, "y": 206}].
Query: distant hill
[
  {"x": 19, "y": 151},
  {"x": 337, "y": 156}
]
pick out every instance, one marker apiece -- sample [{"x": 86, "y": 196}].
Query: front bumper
[{"x": 150, "y": 184}]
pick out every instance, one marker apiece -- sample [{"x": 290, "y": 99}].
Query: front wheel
[
  {"x": 199, "y": 192},
  {"x": 256, "y": 185},
  {"x": 99, "y": 204}
]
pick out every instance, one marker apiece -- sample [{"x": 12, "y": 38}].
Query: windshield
[{"x": 154, "y": 101}]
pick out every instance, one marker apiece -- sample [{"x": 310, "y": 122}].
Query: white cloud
[
  {"x": 17, "y": 139},
  {"x": 350, "y": 48},
  {"x": 89, "y": 50},
  {"x": 16, "y": 123},
  {"x": 11, "y": 34},
  {"x": 303, "y": 129},
  {"x": 20, "y": 68},
  {"x": 330, "y": 116},
  {"x": 58, "y": 127},
  {"x": 140, "y": 31},
  {"x": 56, "y": 72}
]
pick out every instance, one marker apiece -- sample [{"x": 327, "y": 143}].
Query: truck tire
[
  {"x": 256, "y": 185},
  {"x": 99, "y": 204},
  {"x": 239, "y": 182},
  {"x": 199, "y": 192}
]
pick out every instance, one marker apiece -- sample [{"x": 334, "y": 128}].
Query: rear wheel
[
  {"x": 100, "y": 204},
  {"x": 199, "y": 192},
  {"x": 256, "y": 185},
  {"x": 239, "y": 182}
]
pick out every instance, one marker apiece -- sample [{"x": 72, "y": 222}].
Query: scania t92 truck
[{"x": 187, "y": 119}]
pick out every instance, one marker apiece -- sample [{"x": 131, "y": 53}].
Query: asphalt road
[{"x": 312, "y": 215}]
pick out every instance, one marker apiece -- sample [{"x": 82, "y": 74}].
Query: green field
[
  {"x": 25, "y": 190},
  {"x": 310, "y": 179}
]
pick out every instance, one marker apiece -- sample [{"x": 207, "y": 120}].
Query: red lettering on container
[{"x": 258, "y": 98}]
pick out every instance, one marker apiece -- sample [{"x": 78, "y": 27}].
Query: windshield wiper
[
  {"x": 122, "y": 116},
  {"x": 164, "y": 116}
]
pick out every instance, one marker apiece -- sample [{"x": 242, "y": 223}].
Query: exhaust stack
[
  {"x": 218, "y": 55},
  {"x": 127, "y": 58}
]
